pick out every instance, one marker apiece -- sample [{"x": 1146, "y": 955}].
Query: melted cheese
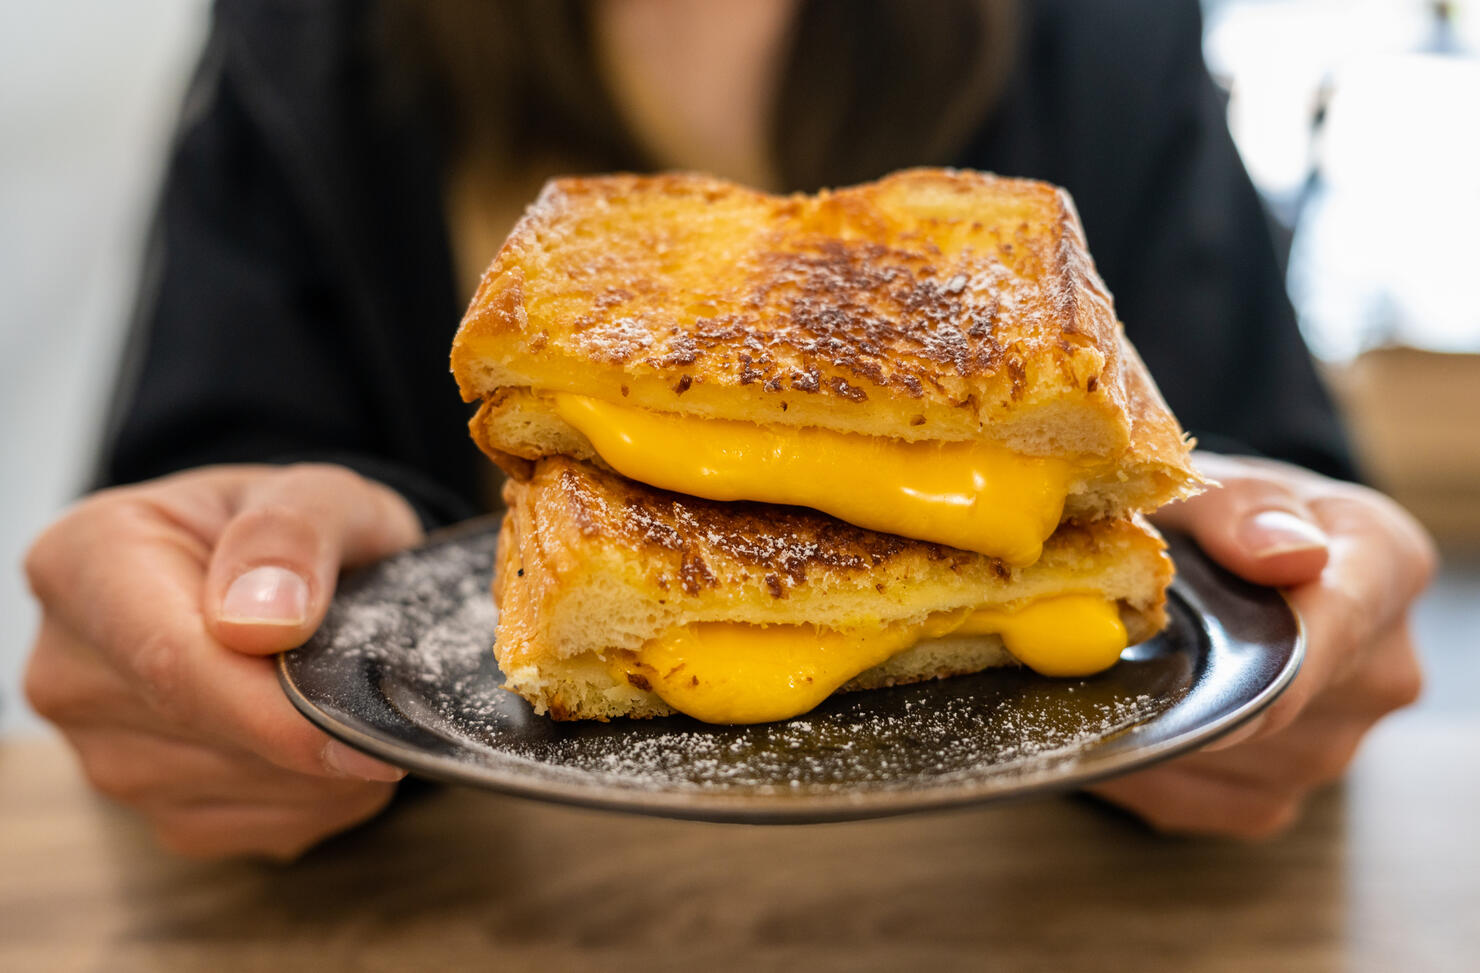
[
  {"x": 1069, "y": 635},
  {"x": 722, "y": 672},
  {"x": 972, "y": 495}
]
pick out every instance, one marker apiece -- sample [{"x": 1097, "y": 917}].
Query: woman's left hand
[{"x": 1352, "y": 562}]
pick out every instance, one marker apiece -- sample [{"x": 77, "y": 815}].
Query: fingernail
[
  {"x": 346, "y": 761},
  {"x": 266, "y": 596},
  {"x": 1270, "y": 533}
]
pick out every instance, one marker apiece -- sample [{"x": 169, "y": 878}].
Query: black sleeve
[
  {"x": 258, "y": 338},
  {"x": 1113, "y": 101},
  {"x": 1202, "y": 290}
]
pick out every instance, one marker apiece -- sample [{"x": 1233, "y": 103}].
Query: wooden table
[{"x": 1381, "y": 875}]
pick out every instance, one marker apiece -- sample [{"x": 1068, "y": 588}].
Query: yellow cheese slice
[{"x": 975, "y": 496}]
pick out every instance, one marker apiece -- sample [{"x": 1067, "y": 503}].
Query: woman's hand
[
  {"x": 160, "y": 606},
  {"x": 1352, "y": 562}
]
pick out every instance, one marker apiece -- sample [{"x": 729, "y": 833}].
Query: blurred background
[{"x": 1359, "y": 121}]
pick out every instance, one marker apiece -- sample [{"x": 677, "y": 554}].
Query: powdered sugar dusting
[
  {"x": 919, "y": 740},
  {"x": 433, "y": 614},
  {"x": 424, "y": 619}
]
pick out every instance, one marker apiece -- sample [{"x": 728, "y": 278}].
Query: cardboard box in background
[{"x": 1415, "y": 422}]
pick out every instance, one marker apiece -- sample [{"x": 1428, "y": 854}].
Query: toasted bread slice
[
  {"x": 593, "y": 567},
  {"x": 930, "y": 306}
]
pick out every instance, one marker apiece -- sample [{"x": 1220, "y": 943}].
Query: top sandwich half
[{"x": 931, "y": 355}]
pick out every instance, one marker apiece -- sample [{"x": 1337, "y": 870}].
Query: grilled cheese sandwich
[{"x": 765, "y": 448}]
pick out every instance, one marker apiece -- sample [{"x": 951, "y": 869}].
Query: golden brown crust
[
  {"x": 931, "y": 297},
  {"x": 1159, "y": 451},
  {"x": 514, "y": 460}
]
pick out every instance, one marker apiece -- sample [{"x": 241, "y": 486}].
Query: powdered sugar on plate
[
  {"x": 921, "y": 742},
  {"x": 403, "y": 668}
]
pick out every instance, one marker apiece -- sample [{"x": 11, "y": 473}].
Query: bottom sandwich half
[{"x": 617, "y": 599}]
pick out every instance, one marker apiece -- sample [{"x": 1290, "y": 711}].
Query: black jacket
[{"x": 299, "y": 299}]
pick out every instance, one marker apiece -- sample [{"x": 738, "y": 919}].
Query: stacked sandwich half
[{"x": 763, "y": 448}]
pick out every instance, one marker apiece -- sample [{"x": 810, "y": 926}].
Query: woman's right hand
[{"x": 161, "y": 606}]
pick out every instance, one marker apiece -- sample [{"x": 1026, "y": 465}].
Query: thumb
[
  {"x": 276, "y": 562},
  {"x": 1254, "y": 525}
]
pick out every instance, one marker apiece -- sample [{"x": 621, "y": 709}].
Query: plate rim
[{"x": 783, "y": 807}]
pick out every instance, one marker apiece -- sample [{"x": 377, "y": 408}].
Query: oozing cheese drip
[
  {"x": 975, "y": 496},
  {"x": 722, "y": 672}
]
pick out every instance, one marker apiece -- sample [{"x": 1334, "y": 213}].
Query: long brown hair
[{"x": 869, "y": 85}]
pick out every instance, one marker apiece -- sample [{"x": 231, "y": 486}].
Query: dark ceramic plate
[{"x": 401, "y": 669}]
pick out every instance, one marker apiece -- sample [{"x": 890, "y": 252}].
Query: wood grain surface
[{"x": 1382, "y": 874}]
